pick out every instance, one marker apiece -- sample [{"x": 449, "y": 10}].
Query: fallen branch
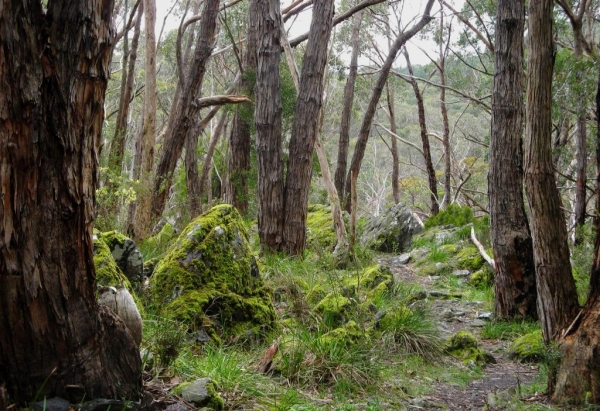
[
  {"x": 485, "y": 255},
  {"x": 221, "y": 100}
]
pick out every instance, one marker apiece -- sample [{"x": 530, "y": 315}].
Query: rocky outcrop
[
  {"x": 209, "y": 279},
  {"x": 126, "y": 254},
  {"x": 391, "y": 232}
]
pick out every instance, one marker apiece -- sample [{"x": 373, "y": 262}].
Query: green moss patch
[
  {"x": 528, "y": 348},
  {"x": 469, "y": 259},
  {"x": 334, "y": 308},
  {"x": 346, "y": 335},
  {"x": 209, "y": 278},
  {"x": 108, "y": 272},
  {"x": 319, "y": 226},
  {"x": 463, "y": 346}
]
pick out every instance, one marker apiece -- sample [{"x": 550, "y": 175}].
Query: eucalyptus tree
[
  {"x": 514, "y": 279},
  {"x": 55, "y": 339},
  {"x": 557, "y": 296}
]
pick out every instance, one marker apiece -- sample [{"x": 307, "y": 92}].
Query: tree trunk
[
  {"x": 557, "y": 297},
  {"x": 365, "y": 129},
  {"x": 188, "y": 113},
  {"x": 342, "y": 157},
  {"x": 267, "y": 119},
  {"x": 236, "y": 186},
  {"x": 141, "y": 222},
  {"x": 514, "y": 278},
  {"x": 394, "y": 147},
  {"x": 54, "y": 338},
  {"x": 447, "y": 199},
  {"x": 117, "y": 146},
  {"x": 305, "y": 128},
  {"x": 215, "y": 134},
  {"x": 192, "y": 178},
  {"x": 431, "y": 177},
  {"x": 578, "y": 377}
]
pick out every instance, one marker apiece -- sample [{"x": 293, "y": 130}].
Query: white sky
[{"x": 411, "y": 11}]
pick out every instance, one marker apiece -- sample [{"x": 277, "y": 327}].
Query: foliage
[{"x": 454, "y": 214}]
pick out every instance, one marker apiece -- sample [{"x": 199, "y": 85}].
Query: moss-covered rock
[
  {"x": 382, "y": 289},
  {"x": 319, "y": 226},
  {"x": 391, "y": 232},
  {"x": 159, "y": 242},
  {"x": 434, "y": 269},
  {"x": 202, "y": 393},
  {"x": 334, "y": 308},
  {"x": 469, "y": 259},
  {"x": 108, "y": 272},
  {"x": 463, "y": 345},
  {"x": 126, "y": 254},
  {"x": 209, "y": 278},
  {"x": 450, "y": 248},
  {"x": 482, "y": 278},
  {"x": 346, "y": 335},
  {"x": 528, "y": 348},
  {"x": 369, "y": 278},
  {"x": 316, "y": 294}
]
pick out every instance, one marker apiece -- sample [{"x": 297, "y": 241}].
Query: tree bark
[
  {"x": 557, "y": 297},
  {"x": 305, "y": 128},
  {"x": 365, "y": 129},
  {"x": 215, "y": 134},
  {"x": 431, "y": 177},
  {"x": 267, "y": 119},
  {"x": 447, "y": 199},
  {"x": 236, "y": 185},
  {"x": 117, "y": 146},
  {"x": 54, "y": 338},
  {"x": 188, "y": 112},
  {"x": 192, "y": 177},
  {"x": 514, "y": 279},
  {"x": 344, "y": 141},
  {"x": 578, "y": 377},
  {"x": 141, "y": 223},
  {"x": 394, "y": 146}
]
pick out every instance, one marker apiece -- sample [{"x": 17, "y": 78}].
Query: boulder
[
  {"x": 126, "y": 254},
  {"x": 209, "y": 279},
  {"x": 391, "y": 232},
  {"x": 121, "y": 302},
  {"x": 108, "y": 272},
  {"x": 202, "y": 393},
  {"x": 463, "y": 346},
  {"x": 528, "y": 348}
]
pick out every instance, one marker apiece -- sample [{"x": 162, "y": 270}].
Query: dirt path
[{"x": 499, "y": 381}]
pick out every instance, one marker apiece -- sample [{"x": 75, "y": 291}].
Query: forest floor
[{"x": 499, "y": 384}]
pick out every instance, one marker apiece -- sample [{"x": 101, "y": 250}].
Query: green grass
[{"x": 508, "y": 330}]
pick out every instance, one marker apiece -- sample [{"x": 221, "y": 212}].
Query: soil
[{"x": 498, "y": 381}]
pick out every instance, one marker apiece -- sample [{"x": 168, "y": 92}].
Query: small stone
[
  {"x": 461, "y": 273},
  {"x": 402, "y": 259},
  {"x": 478, "y": 323},
  {"x": 485, "y": 315},
  {"x": 52, "y": 404},
  {"x": 202, "y": 392}
]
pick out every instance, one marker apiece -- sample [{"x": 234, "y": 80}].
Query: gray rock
[
  {"x": 485, "y": 316},
  {"x": 52, "y": 404},
  {"x": 402, "y": 259},
  {"x": 129, "y": 259},
  {"x": 391, "y": 232},
  {"x": 478, "y": 323},
  {"x": 201, "y": 392},
  {"x": 461, "y": 273}
]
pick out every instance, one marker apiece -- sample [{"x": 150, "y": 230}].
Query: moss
[
  {"x": 454, "y": 215},
  {"x": 469, "y": 259},
  {"x": 482, "y": 278},
  {"x": 334, "y": 308},
  {"x": 214, "y": 400},
  {"x": 316, "y": 294},
  {"x": 347, "y": 335},
  {"x": 319, "y": 226},
  {"x": 159, "y": 243},
  {"x": 209, "y": 278},
  {"x": 382, "y": 289},
  {"x": 433, "y": 269},
  {"x": 393, "y": 317},
  {"x": 108, "y": 272},
  {"x": 463, "y": 346},
  {"x": 450, "y": 248},
  {"x": 369, "y": 278},
  {"x": 528, "y": 348}
]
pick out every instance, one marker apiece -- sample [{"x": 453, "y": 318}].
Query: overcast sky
[{"x": 411, "y": 10}]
